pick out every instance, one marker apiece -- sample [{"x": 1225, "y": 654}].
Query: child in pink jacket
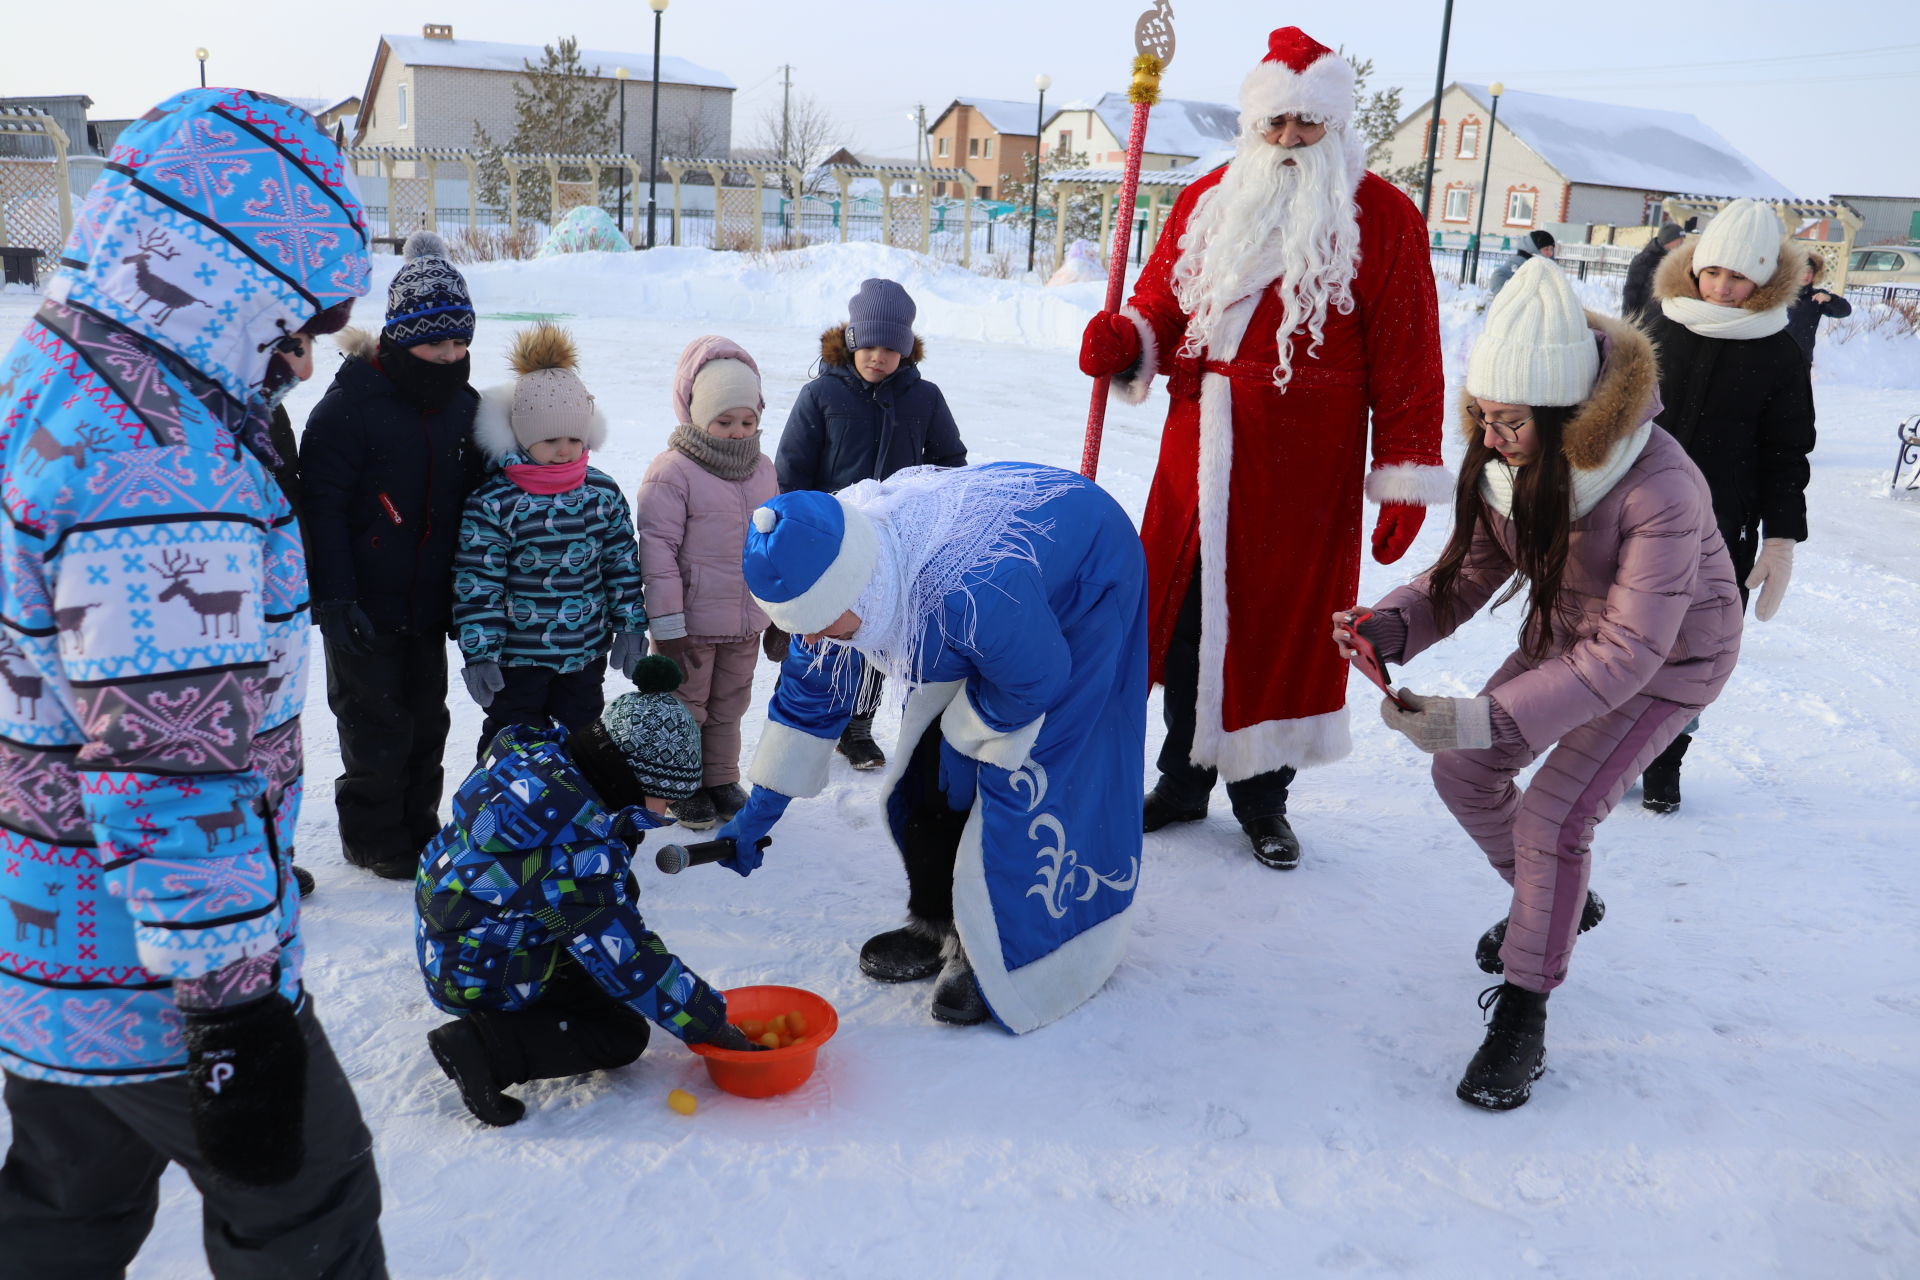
[
  {"x": 1631, "y": 626},
  {"x": 692, "y": 515}
]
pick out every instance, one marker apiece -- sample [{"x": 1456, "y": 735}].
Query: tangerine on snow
[{"x": 682, "y": 1101}]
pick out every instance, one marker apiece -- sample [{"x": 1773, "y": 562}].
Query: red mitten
[
  {"x": 1395, "y": 530},
  {"x": 1111, "y": 345}
]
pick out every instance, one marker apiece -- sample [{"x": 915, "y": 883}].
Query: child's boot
[
  {"x": 462, "y": 1054},
  {"x": 729, "y": 798},
  {"x": 858, "y": 746},
  {"x": 1513, "y": 1055},
  {"x": 695, "y": 812},
  {"x": 1660, "y": 784},
  {"x": 1486, "y": 953}
]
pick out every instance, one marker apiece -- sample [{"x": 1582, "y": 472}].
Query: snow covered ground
[{"x": 1266, "y": 1086}]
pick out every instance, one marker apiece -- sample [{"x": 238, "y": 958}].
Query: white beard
[{"x": 1295, "y": 226}]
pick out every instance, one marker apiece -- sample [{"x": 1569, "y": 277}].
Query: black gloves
[
  {"x": 346, "y": 627},
  {"x": 731, "y": 1037},
  {"x": 247, "y": 1087},
  {"x": 773, "y": 643}
]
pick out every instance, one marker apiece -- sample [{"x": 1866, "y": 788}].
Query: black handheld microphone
[{"x": 675, "y": 858}]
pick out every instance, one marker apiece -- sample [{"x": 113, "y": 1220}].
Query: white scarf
[
  {"x": 1496, "y": 478},
  {"x": 1711, "y": 320}
]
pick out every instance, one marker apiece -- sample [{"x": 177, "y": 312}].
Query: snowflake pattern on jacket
[
  {"x": 153, "y": 603},
  {"x": 545, "y": 579},
  {"x": 532, "y": 867}
]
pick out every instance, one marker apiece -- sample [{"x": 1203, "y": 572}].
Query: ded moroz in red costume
[{"x": 1264, "y": 461}]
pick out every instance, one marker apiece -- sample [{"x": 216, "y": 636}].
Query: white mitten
[
  {"x": 1441, "y": 724},
  {"x": 1771, "y": 574}
]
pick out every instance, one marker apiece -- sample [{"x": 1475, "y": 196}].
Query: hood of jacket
[
  {"x": 225, "y": 221},
  {"x": 1674, "y": 278},
  {"x": 835, "y": 353},
  {"x": 1624, "y": 395}
]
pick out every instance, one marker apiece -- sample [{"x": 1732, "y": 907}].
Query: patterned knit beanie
[
  {"x": 655, "y": 733},
  {"x": 427, "y": 301}
]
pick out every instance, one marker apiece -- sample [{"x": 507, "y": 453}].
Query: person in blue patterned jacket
[
  {"x": 527, "y": 925},
  {"x": 547, "y": 581},
  {"x": 153, "y": 639}
]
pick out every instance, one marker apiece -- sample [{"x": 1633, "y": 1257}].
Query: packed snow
[{"x": 1266, "y": 1085}]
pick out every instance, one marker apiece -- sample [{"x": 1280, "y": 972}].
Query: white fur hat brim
[
  {"x": 1323, "y": 91},
  {"x": 837, "y": 587}
]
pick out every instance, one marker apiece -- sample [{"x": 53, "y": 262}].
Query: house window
[
  {"x": 403, "y": 106},
  {"x": 983, "y": 193},
  {"x": 986, "y": 148},
  {"x": 973, "y": 147},
  {"x": 1426, "y": 139},
  {"x": 1520, "y": 201},
  {"x": 1459, "y": 203},
  {"x": 944, "y": 150},
  {"x": 1469, "y": 139},
  {"x": 1066, "y": 141}
]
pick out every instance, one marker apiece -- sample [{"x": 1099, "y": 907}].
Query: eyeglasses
[{"x": 1508, "y": 431}]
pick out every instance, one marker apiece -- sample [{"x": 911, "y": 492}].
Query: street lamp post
[
  {"x": 202, "y": 55},
  {"x": 1433, "y": 130},
  {"x": 1042, "y": 82},
  {"x": 620, "y": 74},
  {"x": 659, "y": 7},
  {"x": 1486, "y": 175}
]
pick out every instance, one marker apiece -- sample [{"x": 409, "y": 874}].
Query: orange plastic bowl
[{"x": 763, "y": 1073}]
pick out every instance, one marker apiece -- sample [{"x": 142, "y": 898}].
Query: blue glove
[
  {"x": 628, "y": 648},
  {"x": 959, "y": 776},
  {"x": 763, "y": 809}
]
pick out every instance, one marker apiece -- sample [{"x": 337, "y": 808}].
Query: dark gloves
[
  {"x": 762, "y": 810},
  {"x": 774, "y": 642},
  {"x": 674, "y": 647},
  {"x": 483, "y": 680},
  {"x": 1110, "y": 346},
  {"x": 731, "y": 1037},
  {"x": 346, "y": 627},
  {"x": 247, "y": 1090}
]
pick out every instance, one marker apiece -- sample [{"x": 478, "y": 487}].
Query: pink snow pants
[
  {"x": 716, "y": 685},
  {"x": 1538, "y": 839}
]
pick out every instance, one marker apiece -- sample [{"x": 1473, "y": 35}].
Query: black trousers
[
  {"x": 540, "y": 696},
  {"x": 575, "y": 1028},
  {"x": 82, "y": 1183},
  {"x": 391, "y": 711},
  {"x": 929, "y": 831},
  {"x": 1187, "y": 784}
]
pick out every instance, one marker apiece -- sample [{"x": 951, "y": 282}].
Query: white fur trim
[
  {"x": 1411, "y": 482},
  {"x": 1132, "y": 387},
  {"x": 790, "y": 761},
  {"x": 493, "y": 423},
  {"x": 972, "y": 736},
  {"x": 1305, "y": 743},
  {"x": 1324, "y": 91},
  {"x": 597, "y": 430},
  {"x": 924, "y": 706},
  {"x": 764, "y": 518},
  {"x": 835, "y": 590}
]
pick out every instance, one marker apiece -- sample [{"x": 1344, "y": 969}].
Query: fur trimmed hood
[
  {"x": 834, "y": 350},
  {"x": 1674, "y": 277},
  {"x": 357, "y": 344},
  {"x": 1626, "y": 394}
]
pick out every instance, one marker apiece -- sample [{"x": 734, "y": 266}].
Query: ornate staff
[{"x": 1153, "y": 49}]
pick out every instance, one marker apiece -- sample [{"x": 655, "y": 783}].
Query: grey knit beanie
[
  {"x": 881, "y": 315},
  {"x": 655, "y": 733}
]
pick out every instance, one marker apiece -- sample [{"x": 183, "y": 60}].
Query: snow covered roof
[
  {"x": 1175, "y": 127},
  {"x": 1184, "y": 176},
  {"x": 488, "y": 55},
  {"x": 1002, "y": 115},
  {"x": 1613, "y": 146}
]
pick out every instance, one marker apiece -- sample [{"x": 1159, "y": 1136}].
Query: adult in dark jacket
[
  {"x": 1534, "y": 243},
  {"x": 867, "y": 415},
  {"x": 1636, "y": 296},
  {"x": 1813, "y": 303},
  {"x": 387, "y": 463},
  {"x": 1738, "y": 397}
]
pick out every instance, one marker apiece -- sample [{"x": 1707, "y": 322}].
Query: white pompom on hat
[
  {"x": 1744, "y": 237},
  {"x": 1536, "y": 348},
  {"x": 1299, "y": 77},
  {"x": 722, "y": 385}
]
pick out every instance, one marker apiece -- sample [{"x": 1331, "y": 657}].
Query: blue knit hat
[
  {"x": 427, "y": 301},
  {"x": 807, "y": 559},
  {"x": 880, "y": 315}
]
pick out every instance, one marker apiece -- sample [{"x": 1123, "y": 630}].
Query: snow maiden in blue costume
[{"x": 1009, "y": 599}]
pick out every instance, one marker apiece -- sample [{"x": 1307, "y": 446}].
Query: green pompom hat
[{"x": 654, "y": 733}]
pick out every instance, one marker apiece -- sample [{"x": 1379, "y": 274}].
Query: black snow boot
[
  {"x": 957, "y": 998},
  {"x": 1158, "y": 811},
  {"x": 695, "y": 812},
  {"x": 1487, "y": 953},
  {"x": 858, "y": 746},
  {"x": 1273, "y": 841},
  {"x": 729, "y": 798},
  {"x": 303, "y": 880},
  {"x": 1660, "y": 784},
  {"x": 1513, "y": 1055},
  {"x": 400, "y": 867},
  {"x": 906, "y": 954},
  {"x": 462, "y": 1054}
]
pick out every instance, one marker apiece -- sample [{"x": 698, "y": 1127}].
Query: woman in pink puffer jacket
[
  {"x": 1632, "y": 625},
  {"x": 692, "y": 513}
]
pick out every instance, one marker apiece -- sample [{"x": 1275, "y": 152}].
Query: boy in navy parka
[{"x": 868, "y": 415}]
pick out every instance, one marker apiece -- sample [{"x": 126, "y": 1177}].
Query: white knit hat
[
  {"x": 1536, "y": 348},
  {"x": 1745, "y": 237},
  {"x": 722, "y": 385}
]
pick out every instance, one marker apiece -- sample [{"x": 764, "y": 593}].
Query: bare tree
[
  {"x": 800, "y": 137},
  {"x": 691, "y": 134}
]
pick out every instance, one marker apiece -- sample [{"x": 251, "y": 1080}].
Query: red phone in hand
[{"x": 1366, "y": 659}]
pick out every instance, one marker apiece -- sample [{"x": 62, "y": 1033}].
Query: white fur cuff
[
  {"x": 1132, "y": 387},
  {"x": 1411, "y": 483},
  {"x": 790, "y": 761},
  {"x": 973, "y": 737}
]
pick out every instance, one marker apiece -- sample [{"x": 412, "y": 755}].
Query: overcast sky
[{"x": 1824, "y": 107}]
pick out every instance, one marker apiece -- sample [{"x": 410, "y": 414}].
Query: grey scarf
[{"x": 728, "y": 459}]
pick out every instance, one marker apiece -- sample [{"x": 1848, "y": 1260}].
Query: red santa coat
[{"x": 1276, "y": 477}]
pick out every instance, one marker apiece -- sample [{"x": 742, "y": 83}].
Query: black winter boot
[
  {"x": 1158, "y": 811},
  {"x": 1487, "y": 953},
  {"x": 1660, "y": 784},
  {"x": 462, "y": 1054},
  {"x": 303, "y": 880},
  {"x": 858, "y": 746},
  {"x": 1273, "y": 841},
  {"x": 906, "y": 954},
  {"x": 695, "y": 812},
  {"x": 729, "y": 798},
  {"x": 957, "y": 998},
  {"x": 1513, "y": 1055}
]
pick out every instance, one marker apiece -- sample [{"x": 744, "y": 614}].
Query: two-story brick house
[{"x": 990, "y": 138}]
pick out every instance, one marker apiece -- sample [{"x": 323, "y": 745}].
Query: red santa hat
[{"x": 1299, "y": 76}]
